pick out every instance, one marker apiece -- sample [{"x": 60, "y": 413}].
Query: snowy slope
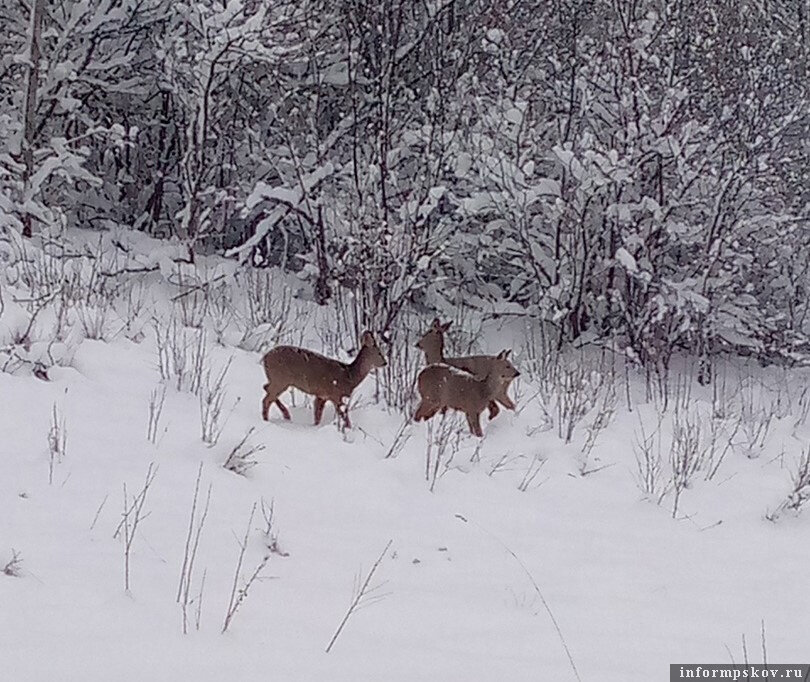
[{"x": 631, "y": 588}]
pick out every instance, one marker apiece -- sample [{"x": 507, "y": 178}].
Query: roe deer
[
  {"x": 432, "y": 343},
  {"x": 442, "y": 386},
  {"x": 325, "y": 378}
]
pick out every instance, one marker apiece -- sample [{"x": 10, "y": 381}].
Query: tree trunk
[
  {"x": 323, "y": 292},
  {"x": 30, "y": 104}
]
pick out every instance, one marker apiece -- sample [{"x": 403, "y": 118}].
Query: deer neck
[
  {"x": 358, "y": 368},
  {"x": 434, "y": 353},
  {"x": 491, "y": 384}
]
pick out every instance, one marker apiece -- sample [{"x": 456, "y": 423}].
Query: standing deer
[
  {"x": 442, "y": 386},
  {"x": 325, "y": 378},
  {"x": 432, "y": 344}
]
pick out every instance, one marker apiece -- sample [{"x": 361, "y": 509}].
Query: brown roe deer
[
  {"x": 432, "y": 344},
  {"x": 327, "y": 379},
  {"x": 443, "y": 386}
]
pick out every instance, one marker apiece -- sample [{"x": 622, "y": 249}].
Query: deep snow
[{"x": 631, "y": 588}]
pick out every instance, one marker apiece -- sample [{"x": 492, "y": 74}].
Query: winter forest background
[
  {"x": 617, "y": 191},
  {"x": 630, "y": 170}
]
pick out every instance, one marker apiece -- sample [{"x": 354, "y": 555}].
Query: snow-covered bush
[
  {"x": 799, "y": 496},
  {"x": 636, "y": 176}
]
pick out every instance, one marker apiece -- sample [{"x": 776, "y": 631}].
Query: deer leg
[
  {"x": 505, "y": 400},
  {"x": 343, "y": 412},
  {"x": 471, "y": 422},
  {"x": 270, "y": 396},
  {"x": 494, "y": 410},
  {"x": 444, "y": 410},
  {"x": 319, "y": 405},
  {"x": 283, "y": 409},
  {"x": 476, "y": 420},
  {"x": 425, "y": 411},
  {"x": 266, "y": 402}
]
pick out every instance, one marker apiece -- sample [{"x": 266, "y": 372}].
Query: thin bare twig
[
  {"x": 536, "y": 589},
  {"x": 359, "y": 596},
  {"x": 239, "y": 595}
]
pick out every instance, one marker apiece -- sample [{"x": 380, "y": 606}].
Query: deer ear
[
  {"x": 446, "y": 326},
  {"x": 504, "y": 354},
  {"x": 436, "y": 324},
  {"x": 366, "y": 338}
]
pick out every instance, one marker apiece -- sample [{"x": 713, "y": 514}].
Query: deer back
[
  {"x": 305, "y": 370},
  {"x": 318, "y": 375},
  {"x": 448, "y": 386}
]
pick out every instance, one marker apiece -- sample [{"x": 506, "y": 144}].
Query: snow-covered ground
[{"x": 476, "y": 566}]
